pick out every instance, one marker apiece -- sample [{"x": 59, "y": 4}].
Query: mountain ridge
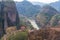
[{"x": 25, "y": 6}]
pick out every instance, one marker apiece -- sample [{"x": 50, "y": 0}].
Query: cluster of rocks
[{"x": 45, "y": 34}]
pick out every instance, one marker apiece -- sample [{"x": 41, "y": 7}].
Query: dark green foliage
[
  {"x": 19, "y": 36},
  {"x": 55, "y": 20},
  {"x": 1, "y": 19}
]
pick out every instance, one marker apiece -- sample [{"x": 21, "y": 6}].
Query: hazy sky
[{"x": 44, "y": 1}]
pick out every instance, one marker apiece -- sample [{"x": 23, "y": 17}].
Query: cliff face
[{"x": 8, "y": 15}]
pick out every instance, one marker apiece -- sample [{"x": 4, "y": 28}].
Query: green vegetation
[
  {"x": 19, "y": 36},
  {"x": 46, "y": 15},
  {"x": 16, "y": 36},
  {"x": 55, "y": 20}
]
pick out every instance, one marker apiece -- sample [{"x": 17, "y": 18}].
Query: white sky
[{"x": 44, "y": 1}]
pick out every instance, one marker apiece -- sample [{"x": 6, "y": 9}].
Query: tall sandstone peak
[{"x": 8, "y": 14}]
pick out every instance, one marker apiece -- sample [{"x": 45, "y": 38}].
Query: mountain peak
[
  {"x": 26, "y": 8},
  {"x": 56, "y": 5},
  {"x": 25, "y": 0},
  {"x": 50, "y": 9}
]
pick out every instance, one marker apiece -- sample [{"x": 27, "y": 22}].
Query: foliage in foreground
[
  {"x": 41, "y": 34},
  {"x": 15, "y": 35}
]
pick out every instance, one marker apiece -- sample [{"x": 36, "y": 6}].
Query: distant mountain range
[
  {"x": 27, "y": 9},
  {"x": 56, "y": 5},
  {"x": 46, "y": 14},
  {"x": 38, "y": 3}
]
